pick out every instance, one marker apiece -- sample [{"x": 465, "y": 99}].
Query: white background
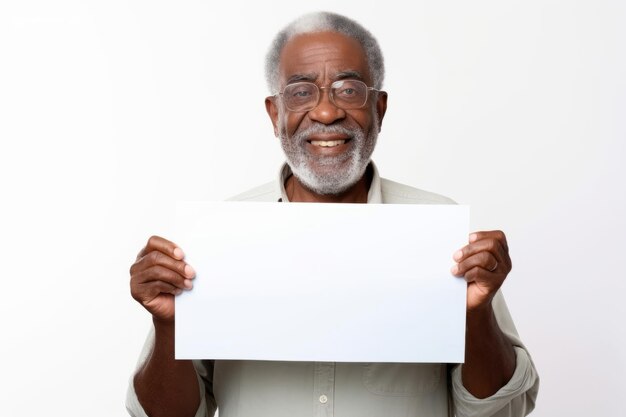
[{"x": 111, "y": 111}]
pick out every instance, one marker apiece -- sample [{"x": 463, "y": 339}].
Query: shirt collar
[{"x": 374, "y": 195}]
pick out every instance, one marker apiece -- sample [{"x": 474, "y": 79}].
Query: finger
[
  {"x": 155, "y": 258},
  {"x": 491, "y": 234},
  {"x": 490, "y": 245},
  {"x": 162, "y": 245},
  {"x": 160, "y": 273},
  {"x": 147, "y": 292},
  {"x": 500, "y": 237},
  {"x": 484, "y": 260},
  {"x": 486, "y": 282},
  {"x": 473, "y": 274}
]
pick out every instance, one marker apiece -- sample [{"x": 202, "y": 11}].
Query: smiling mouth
[{"x": 328, "y": 143}]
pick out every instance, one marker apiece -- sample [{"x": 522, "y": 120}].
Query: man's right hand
[
  {"x": 159, "y": 274},
  {"x": 164, "y": 386}
]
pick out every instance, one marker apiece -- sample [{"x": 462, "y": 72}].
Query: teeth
[{"x": 328, "y": 143}]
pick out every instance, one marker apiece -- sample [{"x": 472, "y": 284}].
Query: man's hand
[
  {"x": 164, "y": 386},
  {"x": 158, "y": 274},
  {"x": 489, "y": 355},
  {"x": 484, "y": 263}
]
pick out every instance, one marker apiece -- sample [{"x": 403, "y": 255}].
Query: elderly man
[{"x": 326, "y": 73}]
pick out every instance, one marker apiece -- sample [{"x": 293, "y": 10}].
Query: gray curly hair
[{"x": 322, "y": 22}]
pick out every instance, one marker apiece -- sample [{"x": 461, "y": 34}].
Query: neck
[{"x": 298, "y": 193}]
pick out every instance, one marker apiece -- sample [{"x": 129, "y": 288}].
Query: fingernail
[
  {"x": 454, "y": 270},
  {"x": 188, "y": 284},
  {"x": 178, "y": 253},
  {"x": 189, "y": 272},
  {"x": 458, "y": 255},
  {"x": 473, "y": 237},
  {"x": 178, "y": 291}
]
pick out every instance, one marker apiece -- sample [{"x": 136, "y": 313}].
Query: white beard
[{"x": 329, "y": 174}]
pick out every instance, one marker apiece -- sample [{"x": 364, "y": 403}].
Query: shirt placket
[{"x": 324, "y": 389}]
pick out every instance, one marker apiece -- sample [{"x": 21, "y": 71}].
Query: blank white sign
[{"x": 322, "y": 282}]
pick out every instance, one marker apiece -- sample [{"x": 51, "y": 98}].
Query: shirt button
[{"x": 323, "y": 399}]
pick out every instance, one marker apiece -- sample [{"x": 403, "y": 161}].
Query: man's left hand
[{"x": 484, "y": 263}]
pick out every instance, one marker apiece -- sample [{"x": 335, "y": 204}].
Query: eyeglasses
[{"x": 345, "y": 94}]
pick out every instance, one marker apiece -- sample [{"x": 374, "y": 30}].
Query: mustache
[{"x": 303, "y": 135}]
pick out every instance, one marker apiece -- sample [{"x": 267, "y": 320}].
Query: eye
[
  {"x": 347, "y": 92},
  {"x": 301, "y": 93}
]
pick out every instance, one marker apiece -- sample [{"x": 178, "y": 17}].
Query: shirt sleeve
[
  {"x": 204, "y": 372},
  {"x": 515, "y": 399}
]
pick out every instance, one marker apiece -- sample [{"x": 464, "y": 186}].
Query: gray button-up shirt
[{"x": 316, "y": 389}]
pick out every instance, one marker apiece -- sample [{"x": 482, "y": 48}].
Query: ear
[
  {"x": 381, "y": 107},
  {"x": 272, "y": 111}
]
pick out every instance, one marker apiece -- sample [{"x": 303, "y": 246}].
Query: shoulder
[
  {"x": 396, "y": 193},
  {"x": 265, "y": 192}
]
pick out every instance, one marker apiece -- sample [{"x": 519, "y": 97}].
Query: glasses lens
[
  {"x": 349, "y": 94},
  {"x": 300, "y": 96}
]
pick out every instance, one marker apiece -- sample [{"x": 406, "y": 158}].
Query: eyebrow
[
  {"x": 302, "y": 77},
  {"x": 312, "y": 77},
  {"x": 342, "y": 75}
]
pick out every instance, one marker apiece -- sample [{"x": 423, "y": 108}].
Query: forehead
[{"x": 322, "y": 54}]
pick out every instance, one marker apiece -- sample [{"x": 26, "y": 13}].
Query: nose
[{"x": 326, "y": 112}]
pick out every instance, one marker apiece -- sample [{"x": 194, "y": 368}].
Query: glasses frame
[{"x": 330, "y": 95}]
